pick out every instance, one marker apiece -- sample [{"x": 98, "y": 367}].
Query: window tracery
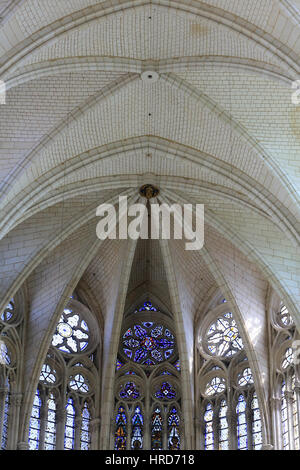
[
  {"x": 68, "y": 386},
  {"x": 286, "y": 406},
  {"x": 228, "y": 406},
  {"x": 148, "y": 354},
  {"x": 11, "y": 350}
]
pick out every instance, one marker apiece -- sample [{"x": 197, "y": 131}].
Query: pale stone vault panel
[{"x": 80, "y": 127}]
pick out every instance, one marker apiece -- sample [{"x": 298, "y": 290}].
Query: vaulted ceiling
[{"x": 81, "y": 126}]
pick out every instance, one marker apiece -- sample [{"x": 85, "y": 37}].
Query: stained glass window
[
  {"x": 70, "y": 426},
  {"x": 245, "y": 377},
  {"x": 50, "y": 431},
  {"x": 284, "y": 316},
  {"x": 173, "y": 429},
  {"x": 166, "y": 392},
  {"x": 256, "y": 424},
  {"x": 156, "y": 430},
  {"x": 8, "y": 312},
  {"x": 48, "y": 375},
  {"x": 209, "y": 431},
  {"x": 216, "y": 385},
  {"x": 223, "y": 426},
  {"x": 5, "y": 357},
  {"x": 288, "y": 358},
  {"x": 242, "y": 440},
  {"x": 79, "y": 384},
  {"x": 295, "y": 414},
  {"x": 121, "y": 429},
  {"x": 5, "y": 421},
  {"x": 137, "y": 422},
  {"x": 146, "y": 307},
  {"x": 177, "y": 365},
  {"x": 223, "y": 338},
  {"x": 119, "y": 364},
  {"x": 148, "y": 343},
  {"x": 35, "y": 423},
  {"x": 85, "y": 436},
  {"x": 72, "y": 333},
  {"x": 284, "y": 418},
  {"x": 129, "y": 391}
]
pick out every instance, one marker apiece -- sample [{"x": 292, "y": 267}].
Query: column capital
[
  {"x": 267, "y": 447},
  {"x": 276, "y": 400},
  {"x": 95, "y": 423},
  {"x": 22, "y": 446},
  {"x": 16, "y": 399}
]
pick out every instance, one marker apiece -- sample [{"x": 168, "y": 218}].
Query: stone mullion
[
  {"x": 276, "y": 420},
  {"x": 43, "y": 418},
  {"x": 165, "y": 429},
  {"x": 232, "y": 428},
  {"x": 60, "y": 427},
  {"x": 77, "y": 436},
  {"x": 128, "y": 441},
  {"x": 231, "y": 420},
  {"x": 216, "y": 427},
  {"x": 249, "y": 424},
  {"x": 199, "y": 428},
  {"x": 147, "y": 419}
]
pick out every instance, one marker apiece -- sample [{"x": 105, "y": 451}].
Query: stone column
[
  {"x": 22, "y": 446},
  {"x": 95, "y": 425},
  {"x": 16, "y": 400},
  {"x": 267, "y": 447}
]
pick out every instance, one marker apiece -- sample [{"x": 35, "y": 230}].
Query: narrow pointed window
[
  {"x": 173, "y": 430},
  {"x": 121, "y": 429},
  {"x": 50, "y": 434},
  {"x": 209, "y": 432},
  {"x": 295, "y": 414},
  {"x": 284, "y": 418},
  {"x": 35, "y": 423},
  {"x": 242, "y": 440},
  {"x": 256, "y": 424},
  {"x": 137, "y": 422},
  {"x": 85, "y": 434},
  {"x": 223, "y": 426},
  {"x": 70, "y": 426},
  {"x": 156, "y": 430}
]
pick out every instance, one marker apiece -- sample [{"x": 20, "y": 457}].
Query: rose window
[
  {"x": 223, "y": 338},
  {"x": 72, "y": 333},
  {"x": 148, "y": 343}
]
